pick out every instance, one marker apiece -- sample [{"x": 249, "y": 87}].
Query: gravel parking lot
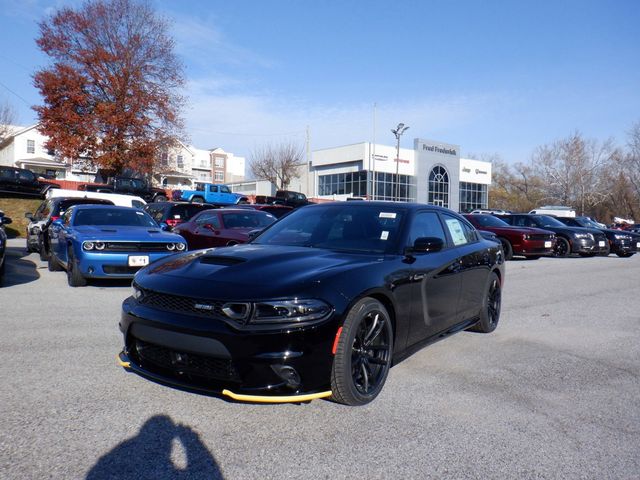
[{"x": 553, "y": 393}]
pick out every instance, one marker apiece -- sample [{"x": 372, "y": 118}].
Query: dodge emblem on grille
[{"x": 203, "y": 306}]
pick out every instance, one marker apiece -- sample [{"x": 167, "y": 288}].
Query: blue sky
[{"x": 496, "y": 77}]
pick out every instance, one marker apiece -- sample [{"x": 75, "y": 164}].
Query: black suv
[
  {"x": 49, "y": 211},
  {"x": 174, "y": 213},
  {"x": 21, "y": 181},
  {"x": 127, "y": 186}
]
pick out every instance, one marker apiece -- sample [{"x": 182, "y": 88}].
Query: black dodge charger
[{"x": 322, "y": 303}]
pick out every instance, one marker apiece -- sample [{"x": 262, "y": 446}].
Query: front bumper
[
  {"x": 584, "y": 245},
  {"x": 208, "y": 355},
  {"x": 113, "y": 265}
]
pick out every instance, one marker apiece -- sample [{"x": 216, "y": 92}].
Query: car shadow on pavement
[
  {"x": 151, "y": 455},
  {"x": 18, "y": 269}
]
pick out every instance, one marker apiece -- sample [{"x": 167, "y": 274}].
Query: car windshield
[
  {"x": 361, "y": 228},
  {"x": 489, "y": 221},
  {"x": 247, "y": 220},
  {"x": 546, "y": 221},
  {"x": 587, "y": 222},
  {"x": 115, "y": 217}
]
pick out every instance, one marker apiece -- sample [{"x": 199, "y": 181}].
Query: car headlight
[
  {"x": 181, "y": 247},
  {"x": 525, "y": 237},
  {"x": 88, "y": 245},
  {"x": 136, "y": 291},
  {"x": 171, "y": 246},
  {"x": 622, "y": 237},
  {"x": 279, "y": 311},
  {"x": 100, "y": 245},
  {"x": 290, "y": 311}
]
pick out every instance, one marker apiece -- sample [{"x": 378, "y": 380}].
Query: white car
[{"x": 116, "y": 198}]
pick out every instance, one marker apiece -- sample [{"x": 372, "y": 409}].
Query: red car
[
  {"x": 222, "y": 227},
  {"x": 532, "y": 243}
]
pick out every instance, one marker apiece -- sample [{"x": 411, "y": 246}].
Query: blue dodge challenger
[{"x": 99, "y": 241}]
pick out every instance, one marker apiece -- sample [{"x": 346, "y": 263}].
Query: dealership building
[{"x": 432, "y": 172}]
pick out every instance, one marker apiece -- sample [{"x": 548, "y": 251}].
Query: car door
[
  {"x": 474, "y": 265},
  {"x": 435, "y": 280},
  {"x": 27, "y": 182},
  {"x": 58, "y": 236},
  {"x": 226, "y": 195},
  {"x": 204, "y": 231}
]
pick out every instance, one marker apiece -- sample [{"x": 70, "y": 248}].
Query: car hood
[
  {"x": 249, "y": 271},
  {"x": 119, "y": 233}
]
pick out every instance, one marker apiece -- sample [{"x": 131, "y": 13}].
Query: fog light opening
[
  {"x": 91, "y": 270},
  {"x": 288, "y": 374}
]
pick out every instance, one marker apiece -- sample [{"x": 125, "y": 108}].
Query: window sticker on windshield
[
  {"x": 387, "y": 215},
  {"x": 384, "y": 235},
  {"x": 455, "y": 229}
]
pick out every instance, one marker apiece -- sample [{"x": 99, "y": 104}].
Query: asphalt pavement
[{"x": 553, "y": 393}]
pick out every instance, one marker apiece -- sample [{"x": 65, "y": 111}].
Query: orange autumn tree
[{"x": 112, "y": 90}]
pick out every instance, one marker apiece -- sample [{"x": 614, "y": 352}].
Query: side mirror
[
  {"x": 425, "y": 245},
  {"x": 254, "y": 233},
  {"x": 58, "y": 223},
  {"x": 164, "y": 227},
  {"x": 5, "y": 220}
]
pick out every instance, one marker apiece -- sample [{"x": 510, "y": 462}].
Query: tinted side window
[
  {"x": 211, "y": 219},
  {"x": 426, "y": 224},
  {"x": 26, "y": 176},
  {"x": 137, "y": 204}
]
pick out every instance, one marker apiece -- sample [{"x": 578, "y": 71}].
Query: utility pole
[
  {"x": 308, "y": 162},
  {"x": 398, "y": 131}
]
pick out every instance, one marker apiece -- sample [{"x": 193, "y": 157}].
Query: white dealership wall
[{"x": 418, "y": 162}]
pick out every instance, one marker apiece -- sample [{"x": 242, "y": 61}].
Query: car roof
[{"x": 85, "y": 206}]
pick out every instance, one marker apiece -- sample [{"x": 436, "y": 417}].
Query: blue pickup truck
[{"x": 213, "y": 193}]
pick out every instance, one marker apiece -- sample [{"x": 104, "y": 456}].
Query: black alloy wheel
[
  {"x": 562, "y": 248},
  {"x": 74, "y": 276},
  {"x": 160, "y": 198},
  {"x": 363, "y": 355},
  {"x": 491, "y": 306},
  {"x": 506, "y": 248}
]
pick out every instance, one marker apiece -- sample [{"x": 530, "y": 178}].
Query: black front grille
[
  {"x": 135, "y": 247},
  {"x": 180, "y": 363},
  {"x": 176, "y": 303},
  {"x": 119, "y": 270},
  {"x": 540, "y": 236}
]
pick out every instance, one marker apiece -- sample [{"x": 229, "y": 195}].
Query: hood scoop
[
  {"x": 108, "y": 230},
  {"x": 221, "y": 260},
  {"x": 153, "y": 231}
]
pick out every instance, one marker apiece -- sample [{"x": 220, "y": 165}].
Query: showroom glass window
[
  {"x": 439, "y": 187},
  {"x": 386, "y": 187},
  {"x": 354, "y": 183},
  {"x": 472, "y": 196}
]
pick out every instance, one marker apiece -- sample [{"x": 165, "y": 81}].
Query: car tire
[
  {"x": 197, "y": 200},
  {"x": 74, "y": 276},
  {"x": 506, "y": 248},
  {"x": 232, "y": 243},
  {"x": 587, "y": 255},
  {"x": 160, "y": 198},
  {"x": 625, "y": 255},
  {"x": 491, "y": 305},
  {"x": 42, "y": 250},
  {"x": 363, "y": 354},
  {"x": 53, "y": 264},
  {"x": 562, "y": 248},
  {"x": 532, "y": 257}
]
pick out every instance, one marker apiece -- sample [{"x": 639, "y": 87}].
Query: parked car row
[{"x": 535, "y": 235}]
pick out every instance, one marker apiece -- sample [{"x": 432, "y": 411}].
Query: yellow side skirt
[
  {"x": 122, "y": 363},
  {"x": 275, "y": 399}
]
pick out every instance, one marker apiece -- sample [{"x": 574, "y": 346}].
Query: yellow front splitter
[
  {"x": 124, "y": 362},
  {"x": 276, "y": 399}
]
